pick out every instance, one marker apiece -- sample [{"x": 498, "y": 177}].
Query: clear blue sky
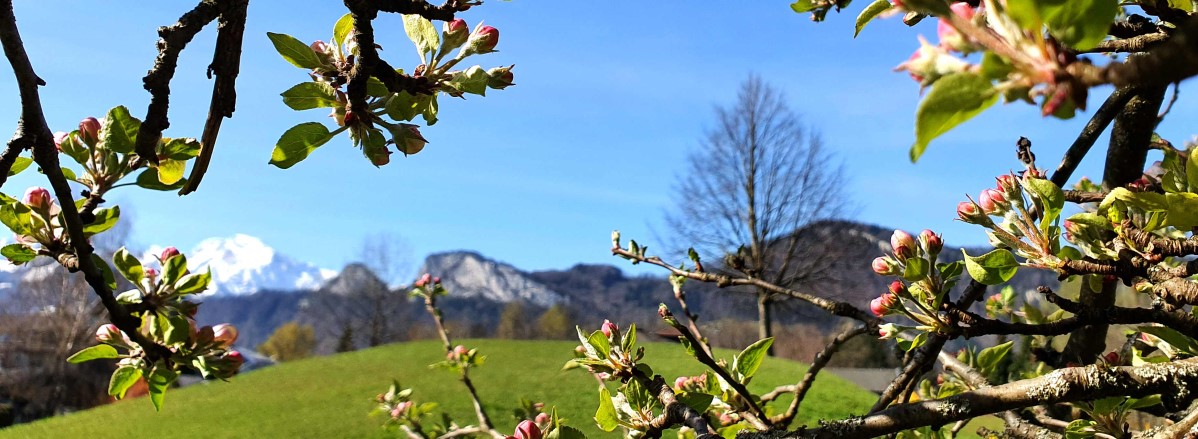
[{"x": 610, "y": 97}]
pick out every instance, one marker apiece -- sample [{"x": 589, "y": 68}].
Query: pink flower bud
[
  {"x": 609, "y": 328},
  {"x": 60, "y": 137},
  {"x": 37, "y": 198},
  {"x": 168, "y": 253},
  {"x": 400, "y": 409},
  {"x": 224, "y": 334},
  {"x": 437, "y": 280},
  {"x": 483, "y": 40},
  {"x": 883, "y": 266},
  {"x": 603, "y": 376},
  {"x": 320, "y": 47},
  {"x": 931, "y": 241},
  {"x": 896, "y": 288},
  {"x": 235, "y": 357},
  {"x": 680, "y": 382},
  {"x": 993, "y": 202},
  {"x": 970, "y": 212},
  {"x": 1007, "y": 184},
  {"x": 420, "y": 283},
  {"x": 455, "y": 33},
  {"x": 897, "y": 3},
  {"x": 1112, "y": 358},
  {"x": 903, "y": 244},
  {"x": 887, "y": 331},
  {"x": 579, "y": 349},
  {"x": 542, "y": 419},
  {"x": 878, "y": 307},
  {"x": 410, "y": 141},
  {"x": 459, "y": 352},
  {"x": 89, "y": 130},
  {"x": 109, "y": 333},
  {"x": 150, "y": 272},
  {"x": 528, "y": 430}
]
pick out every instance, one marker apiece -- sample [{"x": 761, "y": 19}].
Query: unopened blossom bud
[
  {"x": 37, "y": 198},
  {"x": 992, "y": 202},
  {"x": 1112, "y": 358},
  {"x": 884, "y": 266},
  {"x": 609, "y": 328},
  {"x": 932, "y": 242},
  {"x": 579, "y": 349},
  {"x": 454, "y": 33},
  {"x": 881, "y": 305},
  {"x": 896, "y": 3},
  {"x": 60, "y": 137},
  {"x": 930, "y": 63},
  {"x": 150, "y": 272},
  {"x": 437, "y": 280},
  {"x": 227, "y": 365},
  {"x": 89, "y": 130},
  {"x": 680, "y": 382},
  {"x": 887, "y": 331},
  {"x": 459, "y": 352},
  {"x": 482, "y": 40},
  {"x": 903, "y": 244},
  {"x": 109, "y": 334},
  {"x": 320, "y": 47},
  {"x": 224, "y": 334},
  {"x": 424, "y": 280},
  {"x": 400, "y": 409},
  {"x": 542, "y": 419},
  {"x": 500, "y": 78},
  {"x": 603, "y": 376},
  {"x": 528, "y": 430},
  {"x": 970, "y": 212},
  {"x": 410, "y": 141},
  {"x": 950, "y": 38},
  {"x": 168, "y": 253},
  {"x": 896, "y": 288}
]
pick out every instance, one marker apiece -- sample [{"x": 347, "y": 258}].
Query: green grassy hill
[{"x": 330, "y": 396}]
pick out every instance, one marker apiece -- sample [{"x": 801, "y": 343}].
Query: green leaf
[
  {"x": 149, "y": 179},
  {"x": 105, "y": 271},
  {"x": 175, "y": 327},
  {"x": 341, "y": 30},
  {"x": 376, "y": 88},
  {"x": 16, "y": 217},
  {"x": 1178, "y": 340},
  {"x": 18, "y": 253},
  {"x": 749, "y": 360},
  {"x": 472, "y": 80},
  {"x": 605, "y": 416},
  {"x": 802, "y": 6},
  {"x": 629, "y": 340},
  {"x": 181, "y": 148},
  {"x": 299, "y": 141},
  {"x": 119, "y": 131},
  {"x": 194, "y": 283},
  {"x": 97, "y": 352},
  {"x": 309, "y": 95},
  {"x": 989, "y": 358},
  {"x": 991, "y": 268},
  {"x": 404, "y": 106},
  {"x": 867, "y": 15},
  {"x": 908, "y": 345},
  {"x": 565, "y": 432},
  {"x": 124, "y": 378},
  {"x": 1050, "y": 198},
  {"x": 19, "y": 165},
  {"x": 171, "y": 171},
  {"x": 953, "y": 99},
  {"x": 1183, "y": 210},
  {"x": 294, "y": 51},
  {"x": 696, "y": 400},
  {"x": 916, "y": 269},
  {"x": 1080, "y": 24},
  {"x": 994, "y": 67},
  {"x": 601, "y": 344},
  {"x": 422, "y": 33},
  {"x": 128, "y": 265},
  {"x": 173, "y": 269},
  {"x": 106, "y": 218},
  {"x": 1080, "y": 429},
  {"x": 159, "y": 380}
]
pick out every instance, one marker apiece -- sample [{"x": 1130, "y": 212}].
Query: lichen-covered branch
[{"x": 821, "y": 359}]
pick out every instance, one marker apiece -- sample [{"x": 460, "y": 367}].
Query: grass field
[{"x": 330, "y": 396}]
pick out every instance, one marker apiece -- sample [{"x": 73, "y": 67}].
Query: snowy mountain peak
[{"x": 243, "y": 264}]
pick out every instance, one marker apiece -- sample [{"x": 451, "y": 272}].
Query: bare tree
[{"x": 755, "y": 182}]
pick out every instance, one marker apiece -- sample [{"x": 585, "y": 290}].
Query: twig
[
  {"x": 755, "y": 415},
  {"x": 1094, "y": 128},
  {"x": 158, "y": 81},
  {"x": 430, "y": 305},
  {"x": 1138, "y": 43},
  {"x": 917, "y": 364},
  {"x": 675, "y": 412},
  {"x": 804, "y": 385},
  {"x": 226, "y": 64}
]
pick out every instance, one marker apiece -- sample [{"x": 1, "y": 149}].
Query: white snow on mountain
[{"x": 243, "y": 264}]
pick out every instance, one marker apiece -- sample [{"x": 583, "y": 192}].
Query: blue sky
[{"x": 610, "y": 98}]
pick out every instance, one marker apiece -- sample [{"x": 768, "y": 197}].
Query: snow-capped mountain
[
  {"x": 469, "y": 274},
  {"x": 243, "y": 264}
]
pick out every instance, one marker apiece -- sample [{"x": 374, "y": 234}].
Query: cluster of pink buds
[
  {"x": 906, "y": 247},
  {"x": 526, "y": 430},
  {"x": 427, "y": 280},
  {"x": 696, "y": 383},
  {"x": 458, "y": 353},
  {"x": 886, "y": 303},
  {"x": 996, "y": 201},
  {"x": 401, "y": 409}
]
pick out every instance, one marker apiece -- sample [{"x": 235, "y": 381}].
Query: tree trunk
[
  {"x": 765, "y": 319},
  {"x": 1125, "y": 159}
]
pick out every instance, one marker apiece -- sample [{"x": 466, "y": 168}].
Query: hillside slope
[{"x": 330, "y": 396}]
